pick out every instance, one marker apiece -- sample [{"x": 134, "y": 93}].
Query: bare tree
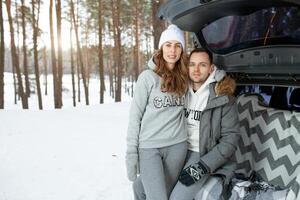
[
  {"x": 59, "y": 53},
  {"x": 78, "y": 76},
  {"x": 45, "y": 69},
  {"x": 16, "y": 97},
  {"x": 86, "y": 91},
  {"x": 25, "y": 62},
  {"x": 110, "y": 64},
  {"x": 15, "y": 56},
  {"x": 77, "y": 54},
  {"x": 85, "y": 52},
  {"x": 53, "y": 59},
  {"x": 111, "y": 73},
  {"x": 100, "y": 52},
  {"x": 115, "y": 4},
  {"x": 16, "y": 21},
  {"x": 136, "y": 63},
  {"x": 72, "y": 66},
  {"x": 35, "y": 27},
  {"x": 2, "y": 56}
]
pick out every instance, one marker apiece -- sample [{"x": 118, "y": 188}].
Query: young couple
[{"x": 183, "y": 125}]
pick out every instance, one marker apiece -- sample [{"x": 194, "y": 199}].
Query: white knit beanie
[{"x": 171, "y": 33}]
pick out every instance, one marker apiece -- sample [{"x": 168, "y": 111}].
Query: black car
[{"x": 257, "y": 43}]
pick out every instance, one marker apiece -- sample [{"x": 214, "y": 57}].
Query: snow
[{"x": 68, "y": 154}]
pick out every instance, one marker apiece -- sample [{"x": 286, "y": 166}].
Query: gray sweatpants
[
  {"x": 200, "y": 190},
  {"x": 159, "y": 171}
]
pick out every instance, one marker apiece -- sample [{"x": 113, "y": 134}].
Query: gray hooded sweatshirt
[{"x": 156, "y": 118}]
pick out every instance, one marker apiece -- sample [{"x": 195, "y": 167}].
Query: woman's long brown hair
[{"x": 173, "y": 81}]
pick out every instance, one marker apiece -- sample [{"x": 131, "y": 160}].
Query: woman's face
[{"x": 171, "y": 52}]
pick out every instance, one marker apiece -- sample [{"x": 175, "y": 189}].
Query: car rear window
[{"x": 272, "y": 26}]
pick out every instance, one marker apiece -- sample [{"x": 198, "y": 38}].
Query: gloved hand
[
  {"x": 132, "y": 166},
  {"x": 193, "y": 173}
]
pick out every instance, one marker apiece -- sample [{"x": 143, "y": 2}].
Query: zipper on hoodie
[
  {"x": 210, "y": 138},
  {"x": 210, "y": 130},
  {"x": 200, "y": 129}
]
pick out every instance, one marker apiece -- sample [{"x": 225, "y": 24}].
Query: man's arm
[
  {"x": 220, "y": 153},
  {"x": 227, "y": 143}
]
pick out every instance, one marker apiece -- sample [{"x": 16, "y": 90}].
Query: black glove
[{"x": 193, "y": 173}]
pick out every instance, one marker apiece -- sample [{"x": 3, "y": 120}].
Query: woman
[{"x": 156, "y": 137}]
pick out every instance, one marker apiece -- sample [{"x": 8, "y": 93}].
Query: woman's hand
[{"x": 132, "y": 166}]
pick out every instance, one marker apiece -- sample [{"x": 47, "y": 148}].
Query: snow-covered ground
[{"x": 68, "y": 154}]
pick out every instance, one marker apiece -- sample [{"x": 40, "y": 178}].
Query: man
[{"x": 213, "y": 127}]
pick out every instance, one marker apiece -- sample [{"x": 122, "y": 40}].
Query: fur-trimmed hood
[{"x": 226, "y": 86}]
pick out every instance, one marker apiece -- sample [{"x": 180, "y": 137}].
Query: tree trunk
[
  {"x": 2, "y": 57},
  {"x": 15, "y": 85},
  {"x": 46, "y": 70},
  {"x": 25, "y": 62},
  {"x": 86, "y": 91},
  {"x": 59, "y": 52},
  {"x": 77, "y": 56},
  {"x": 111, "y": 79},
  {"x": 35, "y": 24},
  {"x": 72, "y": 67},
  {"x": 78, "y": 76},
  {"x": 114, "y": 69},
  {"x": 85, "y": 53},
  {"x": 136, "y": 64},
  {"x": 117, "y": 38},
  {"x": 110, "y": 64},
  {"x": 132, "y": 86},
  {"x": 124, "y": 61},
  {"x": 16, "y": 20},
  {"x": 17, "y": 98},
  {"x": 53, "y": 59},
  {"x": 148, "y": 47},
  {"x": 14, "y": 56},
  {"x": 158, "y": 25},
  {"x": 100, "y": 53}
]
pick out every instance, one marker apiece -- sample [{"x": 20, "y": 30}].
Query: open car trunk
[{"x": 257, "y": 41}]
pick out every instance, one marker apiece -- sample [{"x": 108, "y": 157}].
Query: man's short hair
[{"x": 201, "y": 50}]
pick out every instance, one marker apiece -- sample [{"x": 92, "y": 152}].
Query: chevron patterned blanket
[{"x": 269, "y": 144}]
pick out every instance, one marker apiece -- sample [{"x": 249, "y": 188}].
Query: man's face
[{"x": 199, "y": 67}]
